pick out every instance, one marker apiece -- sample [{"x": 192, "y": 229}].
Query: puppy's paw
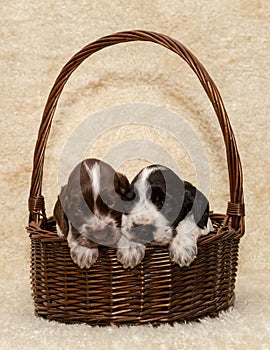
[
  {"x": 84, "y": 257},
  {"x": 130, "y": 254},
  {"x": 183, "y": 252}
]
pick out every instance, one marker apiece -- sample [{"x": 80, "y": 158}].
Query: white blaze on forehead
[
  {"x": 96, "y": 180},
  {"x": 146, "y": 172},
  {"x": 94, "y": 174},
  {"x": 142, "y": 184}
]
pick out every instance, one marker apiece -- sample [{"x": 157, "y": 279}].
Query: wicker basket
[{"x": 156, "y": 291}]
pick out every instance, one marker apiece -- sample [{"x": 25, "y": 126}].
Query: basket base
[{"x": 98, "y": 323}]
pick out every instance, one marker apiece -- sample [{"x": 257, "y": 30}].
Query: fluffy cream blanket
[{"x": 231, "y": 38}]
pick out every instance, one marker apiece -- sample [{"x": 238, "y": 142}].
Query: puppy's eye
[{"x": 157, "y": 196}]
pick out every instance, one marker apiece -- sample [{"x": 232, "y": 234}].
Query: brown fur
[{"x": 76, "y": 204}]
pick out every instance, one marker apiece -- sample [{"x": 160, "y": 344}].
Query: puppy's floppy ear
[
  {"x": 122, "y": 186},
  {"x": 200, "y": 209},
  {"x": 60, "y": 217}
]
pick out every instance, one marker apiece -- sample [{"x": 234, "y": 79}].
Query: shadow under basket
[{"x": 157, "y": 290}]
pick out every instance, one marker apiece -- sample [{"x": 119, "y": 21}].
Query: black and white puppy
[
  {"x": 166, "y": 210},
  {"x": 88, "y": 210}
]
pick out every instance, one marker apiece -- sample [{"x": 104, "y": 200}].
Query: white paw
[
  {"x": 84, "y": 257},
  {"x": 183, "y": 252},
  {"x": 130, "y": 254},
  {"x": 183, "y": 248}
]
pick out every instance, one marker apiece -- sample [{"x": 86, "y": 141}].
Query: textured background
[{"x": 231, "y": 38}]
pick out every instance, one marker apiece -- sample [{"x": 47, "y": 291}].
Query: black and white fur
[
  {"x": 88, "y": 211},
  {"x": 166, "y": 210}
]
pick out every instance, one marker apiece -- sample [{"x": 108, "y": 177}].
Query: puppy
[
  {"x": 165, "y": 210},
  {"x": 89, "y": 209}
]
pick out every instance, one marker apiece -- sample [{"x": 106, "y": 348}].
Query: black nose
[{"x": 142, "y": 233}]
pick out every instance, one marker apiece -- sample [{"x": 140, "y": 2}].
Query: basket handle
[{"x": 235, "y": 209}]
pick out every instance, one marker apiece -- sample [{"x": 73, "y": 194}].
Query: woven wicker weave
[{"x": 156, "y": 291}]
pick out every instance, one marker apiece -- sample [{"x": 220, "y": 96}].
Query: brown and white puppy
[
  {"x": 166, "y": 210},
  {"x": 88, "y": 211}
]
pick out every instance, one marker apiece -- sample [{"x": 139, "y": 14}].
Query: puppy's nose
[{"x": 143, "y": 233}]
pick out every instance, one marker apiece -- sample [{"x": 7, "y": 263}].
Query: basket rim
[{"x": 223, "y": 230}]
